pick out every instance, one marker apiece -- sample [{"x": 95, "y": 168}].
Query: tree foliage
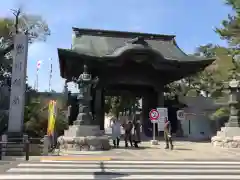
[
  {"x": 36, "y": 118},
  {"x": 37, "y": 29},
  {"x": 212, "y": 79},
  {"x": 231, "y": 26},
  {"x": 209, "y": 81},
  {"x": 117, "y": 104}
]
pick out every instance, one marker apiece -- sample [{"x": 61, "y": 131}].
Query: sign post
[
  {"x": 153, "y": 116},
  {"x": 161, "y": 120}
]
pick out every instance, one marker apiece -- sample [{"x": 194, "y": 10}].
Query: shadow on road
[
  {"x": 131, "y": 148},
  {"x": 183, "y": 149},
  {"x": 111, "y": 175}
]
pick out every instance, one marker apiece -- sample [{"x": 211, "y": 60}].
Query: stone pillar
[{"x": 18, "y": 85}]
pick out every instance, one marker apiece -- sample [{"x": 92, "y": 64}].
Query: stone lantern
[
  {"x": 84, "y": 134},
  {"x": 85, "y": 82},
  {"x": 233, "y": 103},
  {"x": 229, "y": 136}
]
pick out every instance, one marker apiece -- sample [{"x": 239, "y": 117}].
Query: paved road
[
  {"x": 4, "y": 165},
  {"x": 171, "y": 170}
]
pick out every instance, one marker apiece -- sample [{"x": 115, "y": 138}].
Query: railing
[{"x": 24, "y": 146}]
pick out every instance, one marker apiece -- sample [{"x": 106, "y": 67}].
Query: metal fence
[{"x": 24, "y": 146}]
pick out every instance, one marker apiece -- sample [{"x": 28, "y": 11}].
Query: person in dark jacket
[
  {"x": 136, "y": 135},
  {"x": 168, "y": 134},
  {"x": 128, "y": 133}
]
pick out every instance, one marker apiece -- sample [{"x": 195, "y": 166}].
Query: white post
[
  {"x": 154, "y": 131},
  {"x": 46, "y": 144},
  {"x": 4, "y": 139},
  {"x": 154, "y": 141}
]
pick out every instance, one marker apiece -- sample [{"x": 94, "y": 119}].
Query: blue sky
[{"x": 192, "y": 21}]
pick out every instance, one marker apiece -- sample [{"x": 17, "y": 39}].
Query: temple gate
[{"x": 139, "y": 64}]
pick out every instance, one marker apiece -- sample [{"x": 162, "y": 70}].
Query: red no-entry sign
[{"x": 154, "y": 115}]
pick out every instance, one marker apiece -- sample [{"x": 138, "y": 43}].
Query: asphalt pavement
[{"x": 5, "y": 165}]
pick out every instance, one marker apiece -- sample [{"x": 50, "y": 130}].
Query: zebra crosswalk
[{"x": 125, "y": 170}]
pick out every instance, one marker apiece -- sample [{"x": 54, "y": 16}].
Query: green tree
[
  {"x": 231, "y": 26},
  {"x": 210, "y": 80},
  {"x": 230, "y": 31},
  {"x": 36, "y": 28}
]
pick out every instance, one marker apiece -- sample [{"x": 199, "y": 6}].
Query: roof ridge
[{"x": 115, "y": 33}]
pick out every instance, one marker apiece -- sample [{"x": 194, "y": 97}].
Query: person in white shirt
[{"x": 116, "y": 132}]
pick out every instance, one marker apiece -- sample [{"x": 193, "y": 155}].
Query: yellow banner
[{"x": 51, "y": 117}]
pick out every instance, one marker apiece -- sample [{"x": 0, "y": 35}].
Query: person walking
[
  {"x": 116, "y": 132},
  {"x": 128, "y": 133},
  {"x": 136, "y": 135},
  {"x": 168, "y": 134}
]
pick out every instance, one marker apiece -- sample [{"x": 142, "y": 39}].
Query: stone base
[
  {"x": 229, "y": 132},
  {"x": 226, "y": 142},
  {"x": 84, "y": 143},
  {"x": 82, "y": 130},
  {"x": 227, "y": 137},
  {"x": 83, "y": 138},
  {"x": 154, "y": 142}
]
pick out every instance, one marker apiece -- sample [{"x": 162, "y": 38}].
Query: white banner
[
  {"x": 163, "y": 114},
  {"x": 18, "y": 85}
]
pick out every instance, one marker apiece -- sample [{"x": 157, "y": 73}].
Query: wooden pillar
[
  {"x": 99, "y": 108},
  {"x": 160, "y": 103},
  {"x": 102, "y": 111},
  {"x": 149, "y": 101},
  {"x": 145, "y": 103},
  {"x": 160, "y": 99}
]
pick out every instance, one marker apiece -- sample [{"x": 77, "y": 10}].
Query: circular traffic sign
[
  {"x": 154, "y": 115},
  {"x": 180, "y": 115}
]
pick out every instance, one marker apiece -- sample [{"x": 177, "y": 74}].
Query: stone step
[
  {"x": 15, "y": 150},
  {"x": 223, "y": 128},
  {"x": 220, "y": 133},
  {"x": 15, "y": 146},
  {"x": 230, "y": 131}
]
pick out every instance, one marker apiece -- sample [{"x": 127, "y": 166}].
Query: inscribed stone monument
[{"x": 18, "y": 84}]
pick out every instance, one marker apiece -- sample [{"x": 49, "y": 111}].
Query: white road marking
[
  {"x": 95, "y": 165},
  {"x": 125, "y": 170},
  {"x": 49, "y": 170},
  {"x": 106, "y": 177},
  {"x": 147, "y": 162}
]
